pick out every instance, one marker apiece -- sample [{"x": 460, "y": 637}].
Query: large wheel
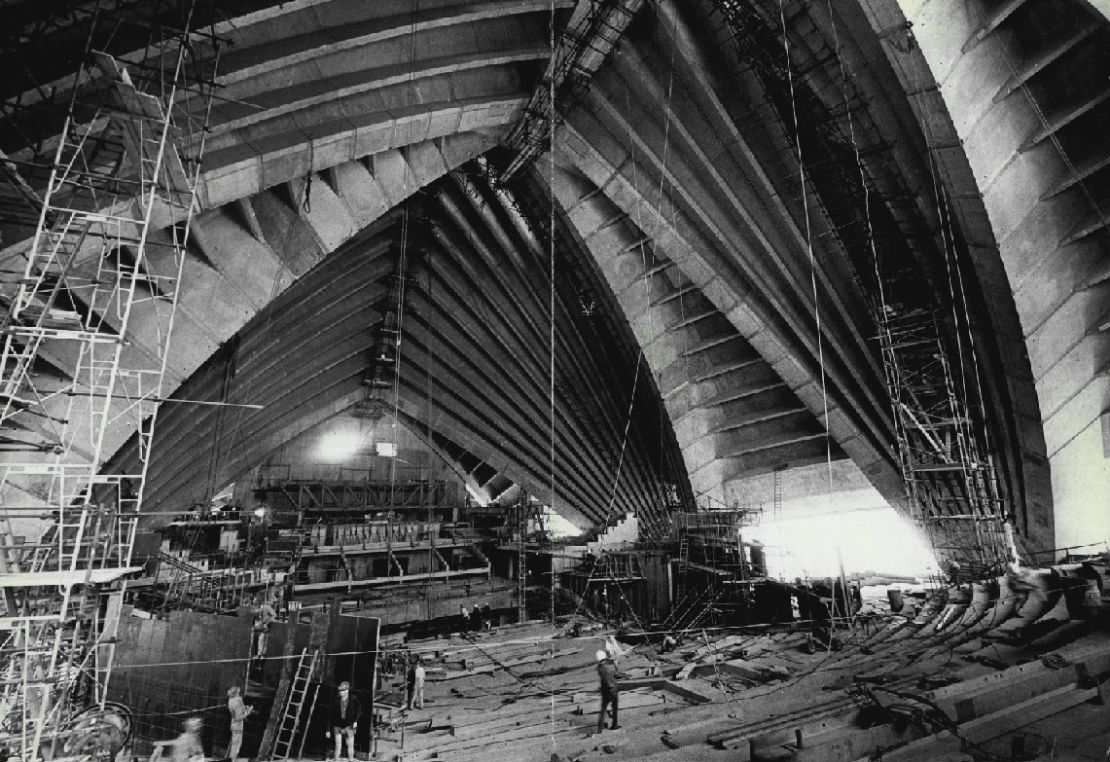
[{"x": 98, "y": 733}]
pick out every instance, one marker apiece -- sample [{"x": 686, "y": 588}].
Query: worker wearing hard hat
[{"x": 607, "y": 673}]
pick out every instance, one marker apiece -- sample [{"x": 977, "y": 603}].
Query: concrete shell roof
[{"x": 678, "y": 215}]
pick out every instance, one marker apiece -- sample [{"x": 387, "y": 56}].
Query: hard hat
[
  {"x": 344, "y": 686},
  {"x": 601, "y": 655}
]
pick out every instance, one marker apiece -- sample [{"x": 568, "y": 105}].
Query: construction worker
[
  {"x": 416, "y": 684},
  {"x": 345, "y": 710},
  {"x": 263, "y": 617},
  {"x": 607, "y": 674},
  {"x": 239, "y": 712},
  {"x": 186, "y": 747}
]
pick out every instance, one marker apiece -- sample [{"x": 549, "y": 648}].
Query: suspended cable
[
  {"x": 645, "y": 253},
  {"x": 551, "y": 307},
  {"x": 809, "y": 243},
  {"x": 398, "y": 306}
]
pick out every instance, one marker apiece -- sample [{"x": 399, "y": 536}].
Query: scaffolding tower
[
  {"x": 925, "y": 337},
  {"x": 950, "y": 482},
  {"x": 96, "y": 301}
]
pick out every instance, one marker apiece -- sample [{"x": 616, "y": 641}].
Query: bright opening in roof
[{"x": 869, "y": 540}]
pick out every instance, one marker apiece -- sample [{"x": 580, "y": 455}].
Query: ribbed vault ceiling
[
  {"x": 348, "y": 134},
  {"x": 473, "y": 362}
]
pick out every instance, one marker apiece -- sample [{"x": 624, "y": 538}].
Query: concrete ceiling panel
[
  {"x": 248, "y": 265},
  {"x": 1058, "y": 336}
]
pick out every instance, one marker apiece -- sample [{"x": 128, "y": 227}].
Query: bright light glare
[
  {"x": 339, "y": 445},
  {"x": 872, "y": 540},
  {"x": 560, "y": 527}
]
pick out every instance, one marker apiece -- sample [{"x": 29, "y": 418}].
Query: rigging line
[
  {"x": 645, "y": 252},
  {"x": 430, "y": 489},
  {"x": 400, "y": 282},
  {"x": 275, "y": 287},
  {"x": 864, "y": 186},
  {"x": 674, "y": 218},
  {"x": 551, "y": 307},
  {"x": 809, "y": 242}
]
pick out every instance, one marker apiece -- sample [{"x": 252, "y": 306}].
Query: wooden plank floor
[{"x": 518, "y": 693}]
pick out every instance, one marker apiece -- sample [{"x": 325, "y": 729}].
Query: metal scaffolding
[
  {"x": 925, "y": 334},
  {"x": 95, "y": 302},
  {"x": 950, "y": 482}
]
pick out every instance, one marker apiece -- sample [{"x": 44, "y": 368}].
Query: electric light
[{"x": 340, "y": 444}]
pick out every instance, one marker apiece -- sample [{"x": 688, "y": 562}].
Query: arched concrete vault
[
  {"x": 680, "y": 215},
  {"x": 1025, "y": 85},
  {"x": 473, "y": 362}
]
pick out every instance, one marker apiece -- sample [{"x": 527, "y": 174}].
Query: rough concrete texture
[
  {"x": 1033, "y": 221},
  {"x": 690, "y": 346},
  {"x": 687, "y": 196}
]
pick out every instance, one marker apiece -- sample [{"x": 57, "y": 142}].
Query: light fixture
[{"x": 339, "y": 445}]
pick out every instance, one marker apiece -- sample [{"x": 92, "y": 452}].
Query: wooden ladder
[{"x": 291, "y": 719}]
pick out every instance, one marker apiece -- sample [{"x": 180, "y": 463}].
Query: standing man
[
  {"x": 345, "y": 711},
  {"x": 464, "y": 619},
  {"x": 239, "y": 712},
  {"x": 265, "y": 615},
  {"x": 607, "y": 673},
  {"x": 416, "y": 682}
]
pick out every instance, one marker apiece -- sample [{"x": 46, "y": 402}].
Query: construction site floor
[{"x": 519, "y": 693}]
